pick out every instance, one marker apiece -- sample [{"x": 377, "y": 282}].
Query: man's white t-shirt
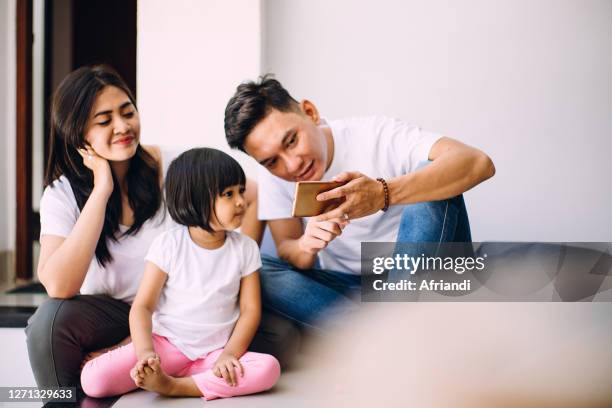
[
  {"x": 198, "y": 306},
  {"x": 375, "y": 146},
  {"x": 120, "y": 278}
]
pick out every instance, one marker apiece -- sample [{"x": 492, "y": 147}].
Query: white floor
[
  {"x": 15, "y": 372},
  {"x": 476, "y": 355},
  {"x": 287, "y": 393}
]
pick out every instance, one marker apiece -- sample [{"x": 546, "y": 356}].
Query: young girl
[{"x": 198, "y": 304}]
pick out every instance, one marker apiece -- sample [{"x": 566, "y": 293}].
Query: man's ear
[{"x": 309, "y": 109}]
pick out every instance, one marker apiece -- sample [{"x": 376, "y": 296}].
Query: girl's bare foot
[{"x": 157, "y": 381}]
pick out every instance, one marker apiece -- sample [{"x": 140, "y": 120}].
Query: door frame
[{"x": 23, "y": 226}]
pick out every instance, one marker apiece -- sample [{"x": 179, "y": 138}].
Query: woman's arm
[
  {"x": 152, "y": 282},
  {"x": 63, "y": 262}
]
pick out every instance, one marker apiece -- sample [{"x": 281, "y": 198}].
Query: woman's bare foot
[
  {"x": 91, "y": 355},
  {"x": 157, "y": 381}
]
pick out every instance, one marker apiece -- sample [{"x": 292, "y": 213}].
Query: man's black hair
[
  {"x": 250, "y": 104},
  {"x": 194, "y": 180}
]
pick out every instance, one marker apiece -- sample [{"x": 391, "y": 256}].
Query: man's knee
[
  {"x": 272, "y": 265},
  {"x": 432, "y": 221},
  {"x": 437, "y": 209},
  {"x": 275, "y": 275},
  {"x": 277, "y": 336}
]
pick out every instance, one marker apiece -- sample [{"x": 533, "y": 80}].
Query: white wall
[
  {"x": 529, "y": 82},
  {"x": 191, "y": 56},
  {"x": 7, "y": 124},
  {"x": 38, "y": 105}
]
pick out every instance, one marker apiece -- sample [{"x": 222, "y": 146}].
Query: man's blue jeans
[{"x": 310, "y": 297}]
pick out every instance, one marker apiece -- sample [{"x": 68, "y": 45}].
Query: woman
[{"x": 101, "y": 208}]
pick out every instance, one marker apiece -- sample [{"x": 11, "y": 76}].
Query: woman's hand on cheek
[{"x": 103, "y": 177}]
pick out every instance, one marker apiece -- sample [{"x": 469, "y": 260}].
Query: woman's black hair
[
  {"x": 70, "y": 109},
  {"x": 194, "y": 181}
]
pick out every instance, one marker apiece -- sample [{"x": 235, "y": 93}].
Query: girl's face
[
  {"x": 229, "y": 209},
  {"x": 113, "y": 127}
]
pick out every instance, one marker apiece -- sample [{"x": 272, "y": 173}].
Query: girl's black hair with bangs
[{"x": 194, "y": 181}]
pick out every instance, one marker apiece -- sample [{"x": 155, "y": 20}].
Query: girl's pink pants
[{"x": 109, "y": 374}]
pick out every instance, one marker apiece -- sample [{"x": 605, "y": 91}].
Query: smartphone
[{"x": 305, "y": 202}]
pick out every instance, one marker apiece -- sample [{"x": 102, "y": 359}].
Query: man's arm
[
  {"x": 455, "y": 168},
  {"x": 299, "y": 247},
  {"x": 286, "y": 234}
]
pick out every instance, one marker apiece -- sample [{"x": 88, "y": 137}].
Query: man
[{"x": 391, "y": 193}]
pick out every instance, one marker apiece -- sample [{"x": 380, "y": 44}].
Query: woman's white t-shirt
[
  {"x": 198, "y": 306},
  {"x": 120, "y": 278}
]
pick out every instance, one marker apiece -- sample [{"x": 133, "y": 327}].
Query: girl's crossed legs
[{"x": 109, "y": 374}]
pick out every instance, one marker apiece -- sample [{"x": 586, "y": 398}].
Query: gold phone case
[{"x": 305, "y": 203}]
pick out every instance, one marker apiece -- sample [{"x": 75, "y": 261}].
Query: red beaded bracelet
[{"x": 386, "y": 189}]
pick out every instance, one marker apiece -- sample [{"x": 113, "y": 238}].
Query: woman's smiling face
[{"x": 113, "y": 127}]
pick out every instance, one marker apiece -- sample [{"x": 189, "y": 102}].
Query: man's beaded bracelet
[{"x": 386, "y": 189}]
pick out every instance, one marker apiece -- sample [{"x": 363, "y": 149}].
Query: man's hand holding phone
[
  {"x": 318, "y": 234},
  {"x": 361, "y": 196}
]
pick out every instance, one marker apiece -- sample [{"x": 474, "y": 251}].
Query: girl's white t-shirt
[
  {"x": 120, "y": 278},
  {"x": 198, "y": 306}
]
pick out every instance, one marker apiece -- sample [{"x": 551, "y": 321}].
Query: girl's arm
[
  {"x": 244, "y": 331},
  {"x": 152, "y": 282},
  {"x": 250, "y": 315}
]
